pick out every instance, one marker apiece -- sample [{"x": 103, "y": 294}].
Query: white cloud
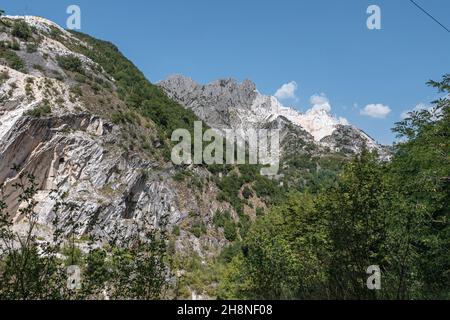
[
  {"x": 287, "y": 91},
  {"x": 320, "y": 102},
  {"x": 420, "y": 106},
  {"x": 378, "y": 111},
  {"x": 343, "y": 121}
]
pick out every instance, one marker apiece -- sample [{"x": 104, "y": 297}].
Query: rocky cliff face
[{"x": 56, "y": 123}]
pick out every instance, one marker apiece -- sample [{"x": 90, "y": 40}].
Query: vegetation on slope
[{"x": 134, "y": 88}]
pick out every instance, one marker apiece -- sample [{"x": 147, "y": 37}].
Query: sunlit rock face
[{"x": 227, "y": 104}]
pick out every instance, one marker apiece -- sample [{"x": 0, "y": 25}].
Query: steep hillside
[{"x": 94, "y": 132}]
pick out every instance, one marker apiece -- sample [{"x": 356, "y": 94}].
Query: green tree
[
  {"x": 356, "y": 209},
  {"x": 421, "y": 172},
  {"x": 392, "y": 214},
  {"x": 280, "y": 256}
]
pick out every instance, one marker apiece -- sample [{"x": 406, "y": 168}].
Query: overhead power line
[{"x": 428, "y": 14}]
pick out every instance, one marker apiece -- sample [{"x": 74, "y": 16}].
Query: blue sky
[{"x": 322, "y": 45}]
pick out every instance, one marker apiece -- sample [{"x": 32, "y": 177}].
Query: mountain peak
[
  {"x": 39, "y": 23},
  {"x": 248, "y": 107}
]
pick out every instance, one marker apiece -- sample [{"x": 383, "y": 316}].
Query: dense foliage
[{"x": 11, "y": 59}]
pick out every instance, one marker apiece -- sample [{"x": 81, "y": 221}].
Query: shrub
[
  {"x": 95, "y": 87},
  {"x": 247, "y": 193},
  {"x": 4, "y": 75},
  {"x": 80, "y": 78},
  {"x": 76, "y": 90},
  {"x": 259, "y": 212},
  {"x": 40, "y": 111},
  {"x": 12, "y": 59},
  {"x": 219, "y": 168},
  {"x": 229, "y": 252},
  {"x": 198, "y": 229},
  {"x": 15, "y": 45},
  {"x": 244, "y": 225},
  {"x": 182, "y": 175},
  {"x": 29, "y": 89},
  {"x": 146, "y": 145},
  {"x": 21, "y": 30},
  {"x": 229, "y": 230},
  {"x": 176, "y": 231},
  {"x": 70, "y": 63},
  {"x": 38, "y": 67},
  {"x": 265, "y": 187},
  {"x": 31, "y": 47},
  {"x": 221, "y": 217}
]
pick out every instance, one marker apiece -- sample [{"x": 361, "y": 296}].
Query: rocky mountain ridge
[{"x": 226, "y": 104}]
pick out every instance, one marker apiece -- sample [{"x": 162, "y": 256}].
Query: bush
[
  {"x": 15, "y": 45},
  {"x": 40, "y": 111},
  {"x": 265, "y": 187},
  {"x": 21, "y": 30},
  {"x": 219, "y": 168},
  {"x": 229, "y": 252},
  {"x": 244, "y": 225},
  {"x": 80, "y": 78},
  {"x": 12, "y": 59},
  {"x": 76, "y": 90},
  {"x": 38, "y": 67},
  {"x": 176, "y": 231},
  {"x": 31, "y": 47},
  {"x": 95, "y": 87},
  {"x": 124, "y": 117},
  {"x": 181, "y": 175},
  {"x": 198, "y": 229},
  {"x": 70, "y": 63},
  {"x": 230, "y": 231},
  {"x": 4, "y": 75},
  {"x": 247, "y": 193},
  {"x": 135, "y": 90},
  {"x": 259, "y": 212},
  {"x": 220, "y": 218}
]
